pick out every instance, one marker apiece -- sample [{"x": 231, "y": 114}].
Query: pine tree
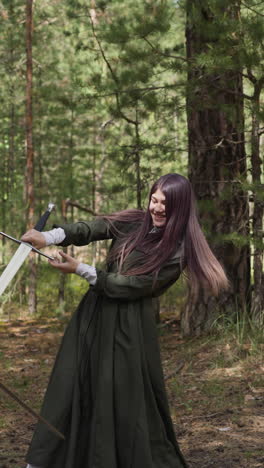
[
  {"x": 251, "y": 57},
  {"x": 217, "y": 159}
]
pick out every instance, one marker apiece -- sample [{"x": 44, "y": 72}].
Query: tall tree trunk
[
  {"x": 93, "y": 197},
  {"x": 63, "y": 277},
  {"x": 137, "y": 162},
  {"x": 11, "y": 142},
  {"x": 3, "y": 226},
  {"x": 65, "y": 205},
  {"x": 7, "y": 163},
  {"x": 39, "y": 144},
  {"x": 4, "y": 200},
  {"x": 217, "y": 164},
  {"x": 32, "y": 300},
  {"x": 257, "y": 305}
]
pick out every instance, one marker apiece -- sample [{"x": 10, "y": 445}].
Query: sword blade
[
  {"x": 22, "y": 253},
  {"x": 26, "y": 243},
  {"x": 13, "y": 266}
]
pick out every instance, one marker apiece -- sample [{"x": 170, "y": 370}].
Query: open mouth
[{"x": 159, "y": 217}]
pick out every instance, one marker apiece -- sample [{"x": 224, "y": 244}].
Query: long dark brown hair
[{"x": 181, "y": 224}]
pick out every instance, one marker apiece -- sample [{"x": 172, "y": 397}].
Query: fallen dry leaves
[{"x": 216, "y": 400}]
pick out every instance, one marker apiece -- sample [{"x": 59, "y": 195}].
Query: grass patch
[
  {"x": 253, "y": 453},
  {"x": 213, "y": 388},
  {"x": 6, "y": 363},
  {"x": 21, "y": 384},
  {"x": 241, "y": 330},
  {"x": 220, "y": 394},
  {"x": 3, "y": 423},
  {"x": 8, "y": 403},
  {"x": 177, "y": 388}
]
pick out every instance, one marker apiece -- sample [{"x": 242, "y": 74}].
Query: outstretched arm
[
  {"x": 81, "y": 233},
  {"x": 71, "y": 265},
  {"x": 133, "y": 287},
  {"x": 41, "y": 239},
  {"x": 119, "y": 286}
]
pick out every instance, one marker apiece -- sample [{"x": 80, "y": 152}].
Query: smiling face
[{"x": 157, "y": 208}]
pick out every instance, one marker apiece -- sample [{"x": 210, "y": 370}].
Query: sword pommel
[
  {"x": 51, "y": 207},
  {"x": 44, "y": 218}
]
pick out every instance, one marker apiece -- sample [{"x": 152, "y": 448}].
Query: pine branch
[
  {"x": 131, "y": 90},
  {"x": 115, "y": 79},
  {"x": 75, "y": 204},
  {"x": 252, "y": 9},
  {"x": 250, "y": 76},
  {"x": 157, "y": 51}
]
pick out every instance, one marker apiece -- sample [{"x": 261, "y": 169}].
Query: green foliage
[
  {"x": 48, "y": 287},
  {"x": 174, "y": 298},
  {"x": 75, "y": 96},
  {"x": 240, "y": 328},
  {"x": 109, "y": 102}
]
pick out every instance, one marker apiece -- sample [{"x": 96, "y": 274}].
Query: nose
[{"x": 159, "y": 208}]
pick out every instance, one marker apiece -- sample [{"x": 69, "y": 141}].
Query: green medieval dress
[{"x": 106, "y": 393}]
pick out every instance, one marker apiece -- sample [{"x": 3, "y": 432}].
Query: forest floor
[{"x": 215, "y": 389}]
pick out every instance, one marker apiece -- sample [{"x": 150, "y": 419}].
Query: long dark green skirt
[{"x": 106, "y": 393}]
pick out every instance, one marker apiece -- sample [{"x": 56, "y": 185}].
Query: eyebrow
[{"x": 163, "y": 200}]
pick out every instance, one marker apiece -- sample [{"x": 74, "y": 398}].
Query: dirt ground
[{"x": 215, "y": 390}]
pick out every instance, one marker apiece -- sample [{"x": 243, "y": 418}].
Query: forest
[{"x": 98, "y": 99}]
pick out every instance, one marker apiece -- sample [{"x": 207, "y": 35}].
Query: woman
[{"x": 106, "y": 392}]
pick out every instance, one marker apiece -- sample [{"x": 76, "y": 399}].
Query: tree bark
[
  {"x": 63, "y": 278},
  {"x": 11, "y": 136},
  {"x": 3, "y": 224},
  {"x": 217, "y": 166},
  {"x": 138, "y": 163},
  {"x": 29, "y": 185},
  {"x": 257, "y": 305}
]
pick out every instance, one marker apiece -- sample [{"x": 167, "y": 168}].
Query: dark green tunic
[{"x": 106, "y": 391}]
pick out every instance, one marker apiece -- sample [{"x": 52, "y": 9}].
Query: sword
[
  {"x": 26, "y": 243},
  {"x": 31, "y": 411},
  {"x": 22, "y": 252}
]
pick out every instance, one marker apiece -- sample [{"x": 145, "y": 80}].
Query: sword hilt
[{"x": 44, "y": 218}]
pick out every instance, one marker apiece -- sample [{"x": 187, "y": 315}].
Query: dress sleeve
[
  {"x": 118, "y": 286},
  {"x": 82, "y": 233},
  {"x": 54, "y": 237}
]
